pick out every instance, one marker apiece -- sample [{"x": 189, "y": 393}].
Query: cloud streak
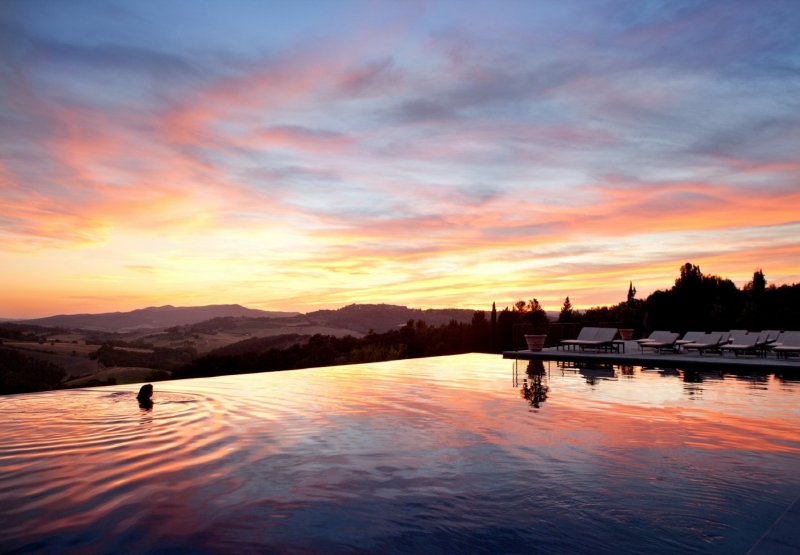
[{"x": 420, "y": 156}]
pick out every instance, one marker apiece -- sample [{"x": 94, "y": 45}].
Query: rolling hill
[
  {"x": 381, "y": 318},
  {"x": 153, "y": 317}
]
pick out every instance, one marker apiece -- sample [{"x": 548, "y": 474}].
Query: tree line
[
  {"x": 25, "y": 374},
  {"x": 414, "y": 340},
  {"x": 695, "y": 302},
  {"x": 162, "y": 358}
]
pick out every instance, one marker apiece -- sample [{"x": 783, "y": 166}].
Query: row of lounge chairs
[{"x": 739, "y": 342}]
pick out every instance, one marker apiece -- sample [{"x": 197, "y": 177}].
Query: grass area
[
  {"x": 123, "y": 375},
  {"x": 81, "y": 349},
  {"x": 133, "y": 349}
]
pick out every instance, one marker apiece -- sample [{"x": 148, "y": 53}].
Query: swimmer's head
[{"x": 145, "y": 393}]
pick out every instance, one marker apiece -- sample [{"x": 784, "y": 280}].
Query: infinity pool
[{"x": 462, "y": 454}]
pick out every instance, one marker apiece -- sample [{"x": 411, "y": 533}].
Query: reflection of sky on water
[{"x": 469, "y": 453}]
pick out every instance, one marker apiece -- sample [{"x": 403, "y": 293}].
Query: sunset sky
[{"x": 306, "y": 155}]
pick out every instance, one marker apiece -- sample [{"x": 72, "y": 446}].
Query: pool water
[{"x": 461, "y": 454}]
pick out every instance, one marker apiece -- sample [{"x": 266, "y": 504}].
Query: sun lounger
[
  {"x": 656, "y": 336},
  {"x": 765, "y": 340},
  {"x": 603, "y": 339},
  {"x": 586, "y": 334},
  {"x": 652, "y": 337},
  {"x": 725, "y": 336},
  {"x": 788, "y": 343},
  {"x": 706, "y": 342},
  {"x": 742, "y": 344},
  {"x": 666, "y": 340},
  {"x": 782, "y": 337},
  {"x": 738, "y": 336},
  {"x": 772, "y": 335},
  {"x": 690, "y": 337}
]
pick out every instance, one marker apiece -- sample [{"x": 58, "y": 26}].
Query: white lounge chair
[
  {"x": 772, "y": 335},
  {"x": 788, "y": 343},
  {"x": 586, "y": 334},
  {"x": 706, "y": 342},
  {"x": 725, "y": 336},
  {"x": 765, "y": 339},
  {"x": 652, "y": 337},
  {"x": 738, "y": 336},
  {"x": 665, "y": 340},
  {"x": 742, "y": 345},
  {"x": 603, "y": 339},
  {"x": 690, "y": 337}
]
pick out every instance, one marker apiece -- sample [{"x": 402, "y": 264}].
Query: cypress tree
[
  {"x": 494, "y": 327},
  {"x": 567, "y": 313},
  {"x": 631, "y": 293}
]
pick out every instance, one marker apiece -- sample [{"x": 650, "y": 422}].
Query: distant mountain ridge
[
  {"x": 153, "y": 317},
  {"x": 361, "y": 318},
  {"x": 381, "y": 318}
]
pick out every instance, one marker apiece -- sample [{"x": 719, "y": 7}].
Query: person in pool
[{"x": 145, "y": 396}]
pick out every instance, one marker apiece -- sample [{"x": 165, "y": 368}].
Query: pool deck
[{"x": 632, "y": 356}]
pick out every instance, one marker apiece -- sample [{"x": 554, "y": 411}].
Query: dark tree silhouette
[
  {"x": 631, "y": 293},
  {"x": 696, "y": 302},
  {"x": 758, "y": 284},
  {"x": 23, "y": 374},
  {"x": 481, "y": 332},
  {"x": 567, "y": 313},
  {"x": 494, "y": 327},
  {"x": 536, "y": 317}
]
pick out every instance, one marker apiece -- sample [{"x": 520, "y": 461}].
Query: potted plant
[
  {"x": 535, "y": 320},
  {"x": 628, "y": 315},
  {"x": 536, "y": 341}
]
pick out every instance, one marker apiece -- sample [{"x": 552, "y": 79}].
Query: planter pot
[
  {"x": 626, "y": 334},
  {"x": 535, "y": 342}
]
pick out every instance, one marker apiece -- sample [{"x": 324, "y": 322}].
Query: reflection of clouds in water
[{"x": 265, "y": 463}]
